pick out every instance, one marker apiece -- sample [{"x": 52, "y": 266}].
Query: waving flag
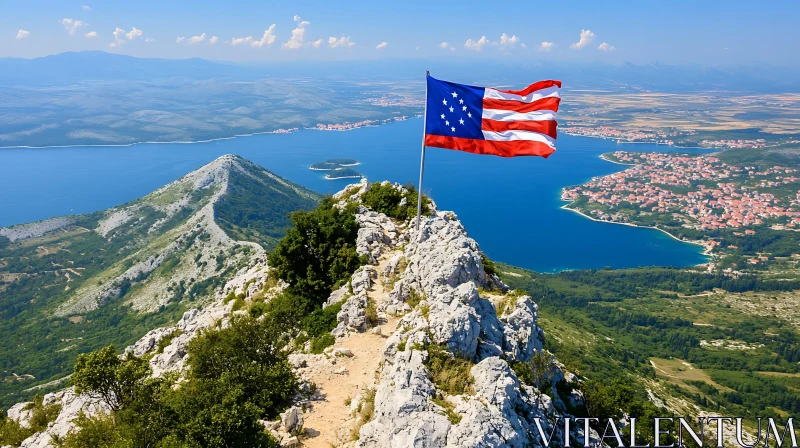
[{"x": 483, "y": 120}]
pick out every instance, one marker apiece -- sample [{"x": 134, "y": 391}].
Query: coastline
[
  {"x": 620, "y": 141},
  {"x": 603, "y": 156},
  {"x": 343, "y": 177},
  {"x": 190, "y": 142},
  {"x": 706, "y": 248}
]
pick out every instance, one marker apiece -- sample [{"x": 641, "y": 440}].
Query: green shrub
[
  {"x": 414, "y": 298},
  {"x": 320, "y": 343},
  {"x": 371, "y": 312},
  {"x": 321, "y": 320},
  {"x": 11, "y": 433},
  {"x": 166, "y": 340},
  {"x": 317, "y": 252},
  {"x": 386, "y": 199},
  {"x": 488, "y": 265},
  {"x": 114, "y": 380},
  {"x": 238, "y": 304},
  {"x": 450, "y": 373},
  {"x": 366, "y": 408}
]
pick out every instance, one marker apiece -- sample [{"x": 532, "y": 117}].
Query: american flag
[{"x": 483, "y": 120}]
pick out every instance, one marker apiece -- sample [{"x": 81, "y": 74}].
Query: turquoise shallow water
[{"x": 510, "y": 206}]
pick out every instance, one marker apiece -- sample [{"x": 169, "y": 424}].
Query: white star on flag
[
  {"x": 442, "y": 116},
  {"x": 461, "y": 120},
  {"x": 444, "y": 102},
  {"x": 460, "y": 101},
  {"x": 451, "y": 108},
  {"x": 453, "y": 129},
  {"x": 455, "y": 95},
  {"x": 464, "y": 108},
  {"x": 469, "y": 114}
]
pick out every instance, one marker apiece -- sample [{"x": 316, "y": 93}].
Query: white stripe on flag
[
  {"x": 520, "y": 135},
  {"x": 548, "y": 92},
  {"x": 505, "y": 115}
]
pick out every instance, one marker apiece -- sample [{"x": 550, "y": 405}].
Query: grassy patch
[
  {"x": 320, "y": 343},
  {"x": 450, "y": 373},
  {"x": 166, "y": 340},
  {"x": 449, "y": 409}
]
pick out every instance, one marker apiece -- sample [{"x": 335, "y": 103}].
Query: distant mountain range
[{"x": 98, "y": 65}]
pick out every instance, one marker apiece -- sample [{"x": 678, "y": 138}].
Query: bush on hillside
[
  {"x": 387, "y": 200},
  {"x": 237, "y": 376},
  {"x": 318, "y": 252}
]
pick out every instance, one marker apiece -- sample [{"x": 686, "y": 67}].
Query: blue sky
[{"x": 675, "y": 32}]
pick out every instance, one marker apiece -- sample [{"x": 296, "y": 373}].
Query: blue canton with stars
[{"x": 454, "y": 110}]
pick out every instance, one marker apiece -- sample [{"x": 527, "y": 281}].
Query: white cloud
[
  {"x": 197, "y": 39},
  {"x": 71, "y": 25},
  {"x": 477, "y": 46},
  {"x": 22, "y": 34},
  {"x": 523, "y": 45},
  {"x": 296, "y": 18},
  {"x": 91, "y": 34},
  {"x": 546, "y": 46},
  {"x": 298, "y": 35},
  {"x": 443, "y": 45},
  {"x": 134, "y": 33},
  {"x": 382, "y": 45},
  {"x": 179, "y": 39},
  {"x": 586, "y": 38},
  {"x": 343, "y": 42},
  {"x": 86, "y": 8},
  {"x": 506, "y": 41},
  {"x": 147, "y": 39},
  {"x": 316, "y": 44},
  {"x": 267, "y": 39},
  {"x": 120, "y": 36},
  {"x": 605, "y": 46},
  {"x": 213, "y": 40}
]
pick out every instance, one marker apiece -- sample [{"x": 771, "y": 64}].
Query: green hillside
[{"x": 71, "y": 285}]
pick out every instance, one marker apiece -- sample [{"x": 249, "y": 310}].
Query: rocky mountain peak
[{"x": 422, "y": 305}]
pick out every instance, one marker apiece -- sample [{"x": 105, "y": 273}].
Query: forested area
[{"x": 615, "y": 311}]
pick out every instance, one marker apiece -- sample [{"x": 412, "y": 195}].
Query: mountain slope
[{"x": 72, "y": 284}]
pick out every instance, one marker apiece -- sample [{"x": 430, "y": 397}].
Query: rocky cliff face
[{"x": 430, "y": 290}]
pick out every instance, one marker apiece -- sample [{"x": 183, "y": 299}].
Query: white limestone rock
[
  {"x": 404, "y": 415},
  {"x": 20, "y": 413},
  {"x": 71, "y": 406},
  {"x": 292, "y": 420},
  {"x": 149, "y": 341}
]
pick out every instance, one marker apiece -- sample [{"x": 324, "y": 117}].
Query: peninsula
[{"x": 743, "y": 209}]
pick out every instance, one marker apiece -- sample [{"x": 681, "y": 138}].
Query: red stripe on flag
[
  {"x": 546, "y": 127},
  {"x": 513, "y": 148},
  {"x": 533, "y": 87},
  {"x": 550, "y": 103}
]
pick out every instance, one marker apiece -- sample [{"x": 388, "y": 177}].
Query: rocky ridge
[{"x": 429, "y": 288}]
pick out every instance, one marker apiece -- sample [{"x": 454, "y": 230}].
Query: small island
[
  {"x": 343, "y": 173},
  {"x": 333, "y": 164}
]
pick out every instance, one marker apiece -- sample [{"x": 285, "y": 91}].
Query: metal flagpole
[{"x": 422, "y": 156}]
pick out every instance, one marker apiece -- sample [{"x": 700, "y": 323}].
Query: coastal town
[
  {"x": 347, "y": 125},
  {"x": 664, "y": 137},
  {"x": 698, "y": 190},
  {"x": 639, "y": 136},
  {"x": 697, "y": 193}
]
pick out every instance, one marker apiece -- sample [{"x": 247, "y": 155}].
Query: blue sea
[{"x": 510, "y": 206}]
